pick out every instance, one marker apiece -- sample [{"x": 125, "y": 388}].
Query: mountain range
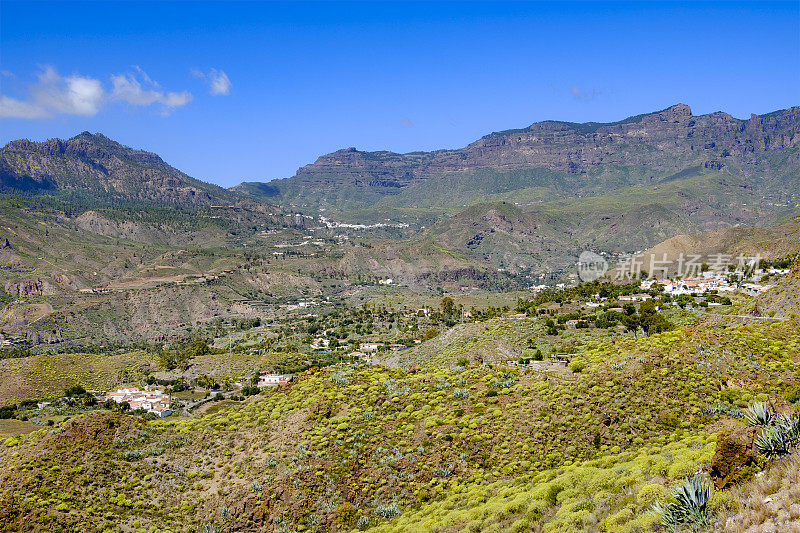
[
  {"x": 554, "y": 159},
  {"x": 88, "y": 219},
  {"x": 524, "y": 200}
]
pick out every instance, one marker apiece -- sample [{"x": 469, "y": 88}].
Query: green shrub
[
  {"x": 730, "y": 395},
  {"x": 577, "y": 365},
  {"x": 723, "y": 500},
  {"x": 793, "y": 395}
]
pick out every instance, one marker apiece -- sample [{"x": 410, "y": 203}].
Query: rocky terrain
[
  {"x": 96, "y": 167},
  {"x": 564, "y": 159}
]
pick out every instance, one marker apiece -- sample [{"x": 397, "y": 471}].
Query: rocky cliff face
[
  {"x": 590, "y": 157},
  {"x": 101, "y": 168}
]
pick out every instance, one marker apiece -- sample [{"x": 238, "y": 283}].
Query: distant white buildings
[
  {"x": 708, "y": 282},
  {"x": 320, "y": 343},
  {"x": 781, "y": 271},
  {"x": 267, "y": 379},
  {"x": 369, "y": 346},
  {"x": 330, "y": 224},
  {"x": 635, "y": 298},
  {"x": 152, "y": 401},
  {"x": 754, "y": 289}
]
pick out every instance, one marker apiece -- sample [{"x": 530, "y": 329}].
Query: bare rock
[{"x": 736, "y": 457}]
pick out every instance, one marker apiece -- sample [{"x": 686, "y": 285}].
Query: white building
[
  {"x": 267, "y": 379},
  {"x": 152, "y": 401},
  {"x": 369, "y": 346}
]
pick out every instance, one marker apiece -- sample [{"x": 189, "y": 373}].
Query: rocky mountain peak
[
  {"x": 680, "y": 109},
  {"x": 101, "y": 167}
]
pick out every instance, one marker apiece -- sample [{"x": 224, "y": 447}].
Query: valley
[{"x": 405, "y": 342}]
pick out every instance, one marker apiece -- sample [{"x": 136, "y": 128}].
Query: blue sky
[{"x": 237, "y": 91}]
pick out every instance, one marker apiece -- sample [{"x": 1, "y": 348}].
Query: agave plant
[
  {"x": 759, "y": 414},
  {"x": 688, "y": 505},
  {"x": 790, "y": 426},
  {"x": 780, "y": 438},
  {"x": 771, "y": 442},
  {"x": 720, "y": 408}
]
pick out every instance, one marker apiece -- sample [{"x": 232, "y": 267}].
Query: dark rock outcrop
[{"x": 736, "y": 457}]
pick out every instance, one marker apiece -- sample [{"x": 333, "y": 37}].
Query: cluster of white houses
[
  {"x": 152, "y": 401},
  {"x": 695, "y": 286}
]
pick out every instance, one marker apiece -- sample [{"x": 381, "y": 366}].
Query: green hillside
[{"x": 484, "y": 447}]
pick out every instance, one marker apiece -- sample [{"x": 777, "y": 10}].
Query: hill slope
[
  {"x": 771, "y": 242},
  {"x": 101, "y": 170},
  {"x": 550, "y": 236}
]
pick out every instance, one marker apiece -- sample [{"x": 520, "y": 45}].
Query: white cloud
[
  {"x": 177, "y": 99},
  {"x": 218, "y": 82},
  {"x": 142, "y": 91},
  {"x": 54, "y": 94},
  {"x": 72, "y": 95},
  {"x": 12, "y": 108}
]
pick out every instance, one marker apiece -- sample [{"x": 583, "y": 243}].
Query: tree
[
  {"x": 631, "y": 323},
  {"x": 88, "y": 399},
  {"x": 651, "y": 320},
  {"x": 431, "y": 333},
  {"x": 448, "y": 306},
  {"x": 75, "y": 390},
  {"x": 172, "y": 359},
  {"x": 180, "y": 356}
]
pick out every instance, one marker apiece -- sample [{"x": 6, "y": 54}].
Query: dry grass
[
  {"x": 768, "y": 503},
  {"x": 15, "y": 427}
]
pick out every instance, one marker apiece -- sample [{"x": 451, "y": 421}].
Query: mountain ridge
[
  {"x": 585, "y": 158},
  {"x": 98, "y": 167}
]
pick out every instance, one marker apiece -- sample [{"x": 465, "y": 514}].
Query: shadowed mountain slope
[{"x": 93, "y": 167}]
